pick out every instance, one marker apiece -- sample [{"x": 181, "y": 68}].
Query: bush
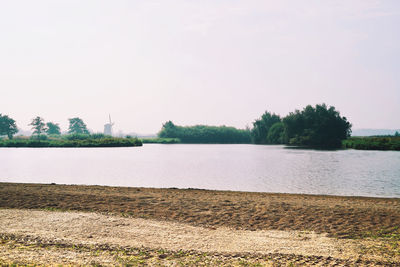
[
  {"x": 161, "y": 140},
  {"x": 76, "y": 136},
  {"x": 39, "y": 137},
  {"x": 98, "y": 136},
  {"x": 373, "y": 143},
  {"x": 203, "y": 134}
]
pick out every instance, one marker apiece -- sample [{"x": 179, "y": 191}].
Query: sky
[{"x": 215, "y": 62}]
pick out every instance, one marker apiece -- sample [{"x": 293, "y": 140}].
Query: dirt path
[{"x": 94, "y": 230}]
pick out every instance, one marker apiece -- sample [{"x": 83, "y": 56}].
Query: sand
[{"x": 224, "y": 228}]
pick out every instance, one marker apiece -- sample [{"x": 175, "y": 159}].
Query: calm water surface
[{"x": 224, "y": 167}]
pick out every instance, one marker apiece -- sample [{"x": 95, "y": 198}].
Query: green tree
[
  {"x": 38, "y": 126},
  {"x": 7, "y": 126},
  {"x": 397, "y": 133},
  {"x": 275, "y": 133},
  {"x": 168, "y": 130},
  {"x": 316, "y": 127},
  {"x": 53, "y": 128},
  {"x": 77, "y": 126},
  {"x": 261, "y": 127}
]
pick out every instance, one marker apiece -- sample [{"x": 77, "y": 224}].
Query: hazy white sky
[{"x": 198, "y": 62}]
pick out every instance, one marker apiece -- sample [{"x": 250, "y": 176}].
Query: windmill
[{"x": 108, "y": 126}]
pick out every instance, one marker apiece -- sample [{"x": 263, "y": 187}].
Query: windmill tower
[{"x": 108, "y": 126}]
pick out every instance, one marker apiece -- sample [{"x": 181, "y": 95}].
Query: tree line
[
  {"x": 204, "y": 134},
  {"x": 9, "y": 127},
  {"x": 49, "y": 135},
  {"x": 320, "y": 127},
  {"x": 76, "y": 126}
]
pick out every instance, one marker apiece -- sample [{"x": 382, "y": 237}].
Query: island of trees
[
  {"x": 49, "y": 135},
  {"x": 318, "y": 127}
]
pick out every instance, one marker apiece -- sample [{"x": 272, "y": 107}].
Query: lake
[{"x": 224, "y": 167}]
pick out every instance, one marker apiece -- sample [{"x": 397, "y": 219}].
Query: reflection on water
[{"x": 224, "y": 167}]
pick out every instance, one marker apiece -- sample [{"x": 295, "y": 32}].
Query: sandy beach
[{"x": 70, "y": 224}]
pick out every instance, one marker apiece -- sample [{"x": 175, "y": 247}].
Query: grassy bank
[
  {"x": 64, "y": 142},
  {"x": 161, "y": 140},
  {"x": 373, "y": 143}
]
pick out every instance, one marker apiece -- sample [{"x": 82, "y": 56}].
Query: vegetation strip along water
[{"x": 315, "y": 127}]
